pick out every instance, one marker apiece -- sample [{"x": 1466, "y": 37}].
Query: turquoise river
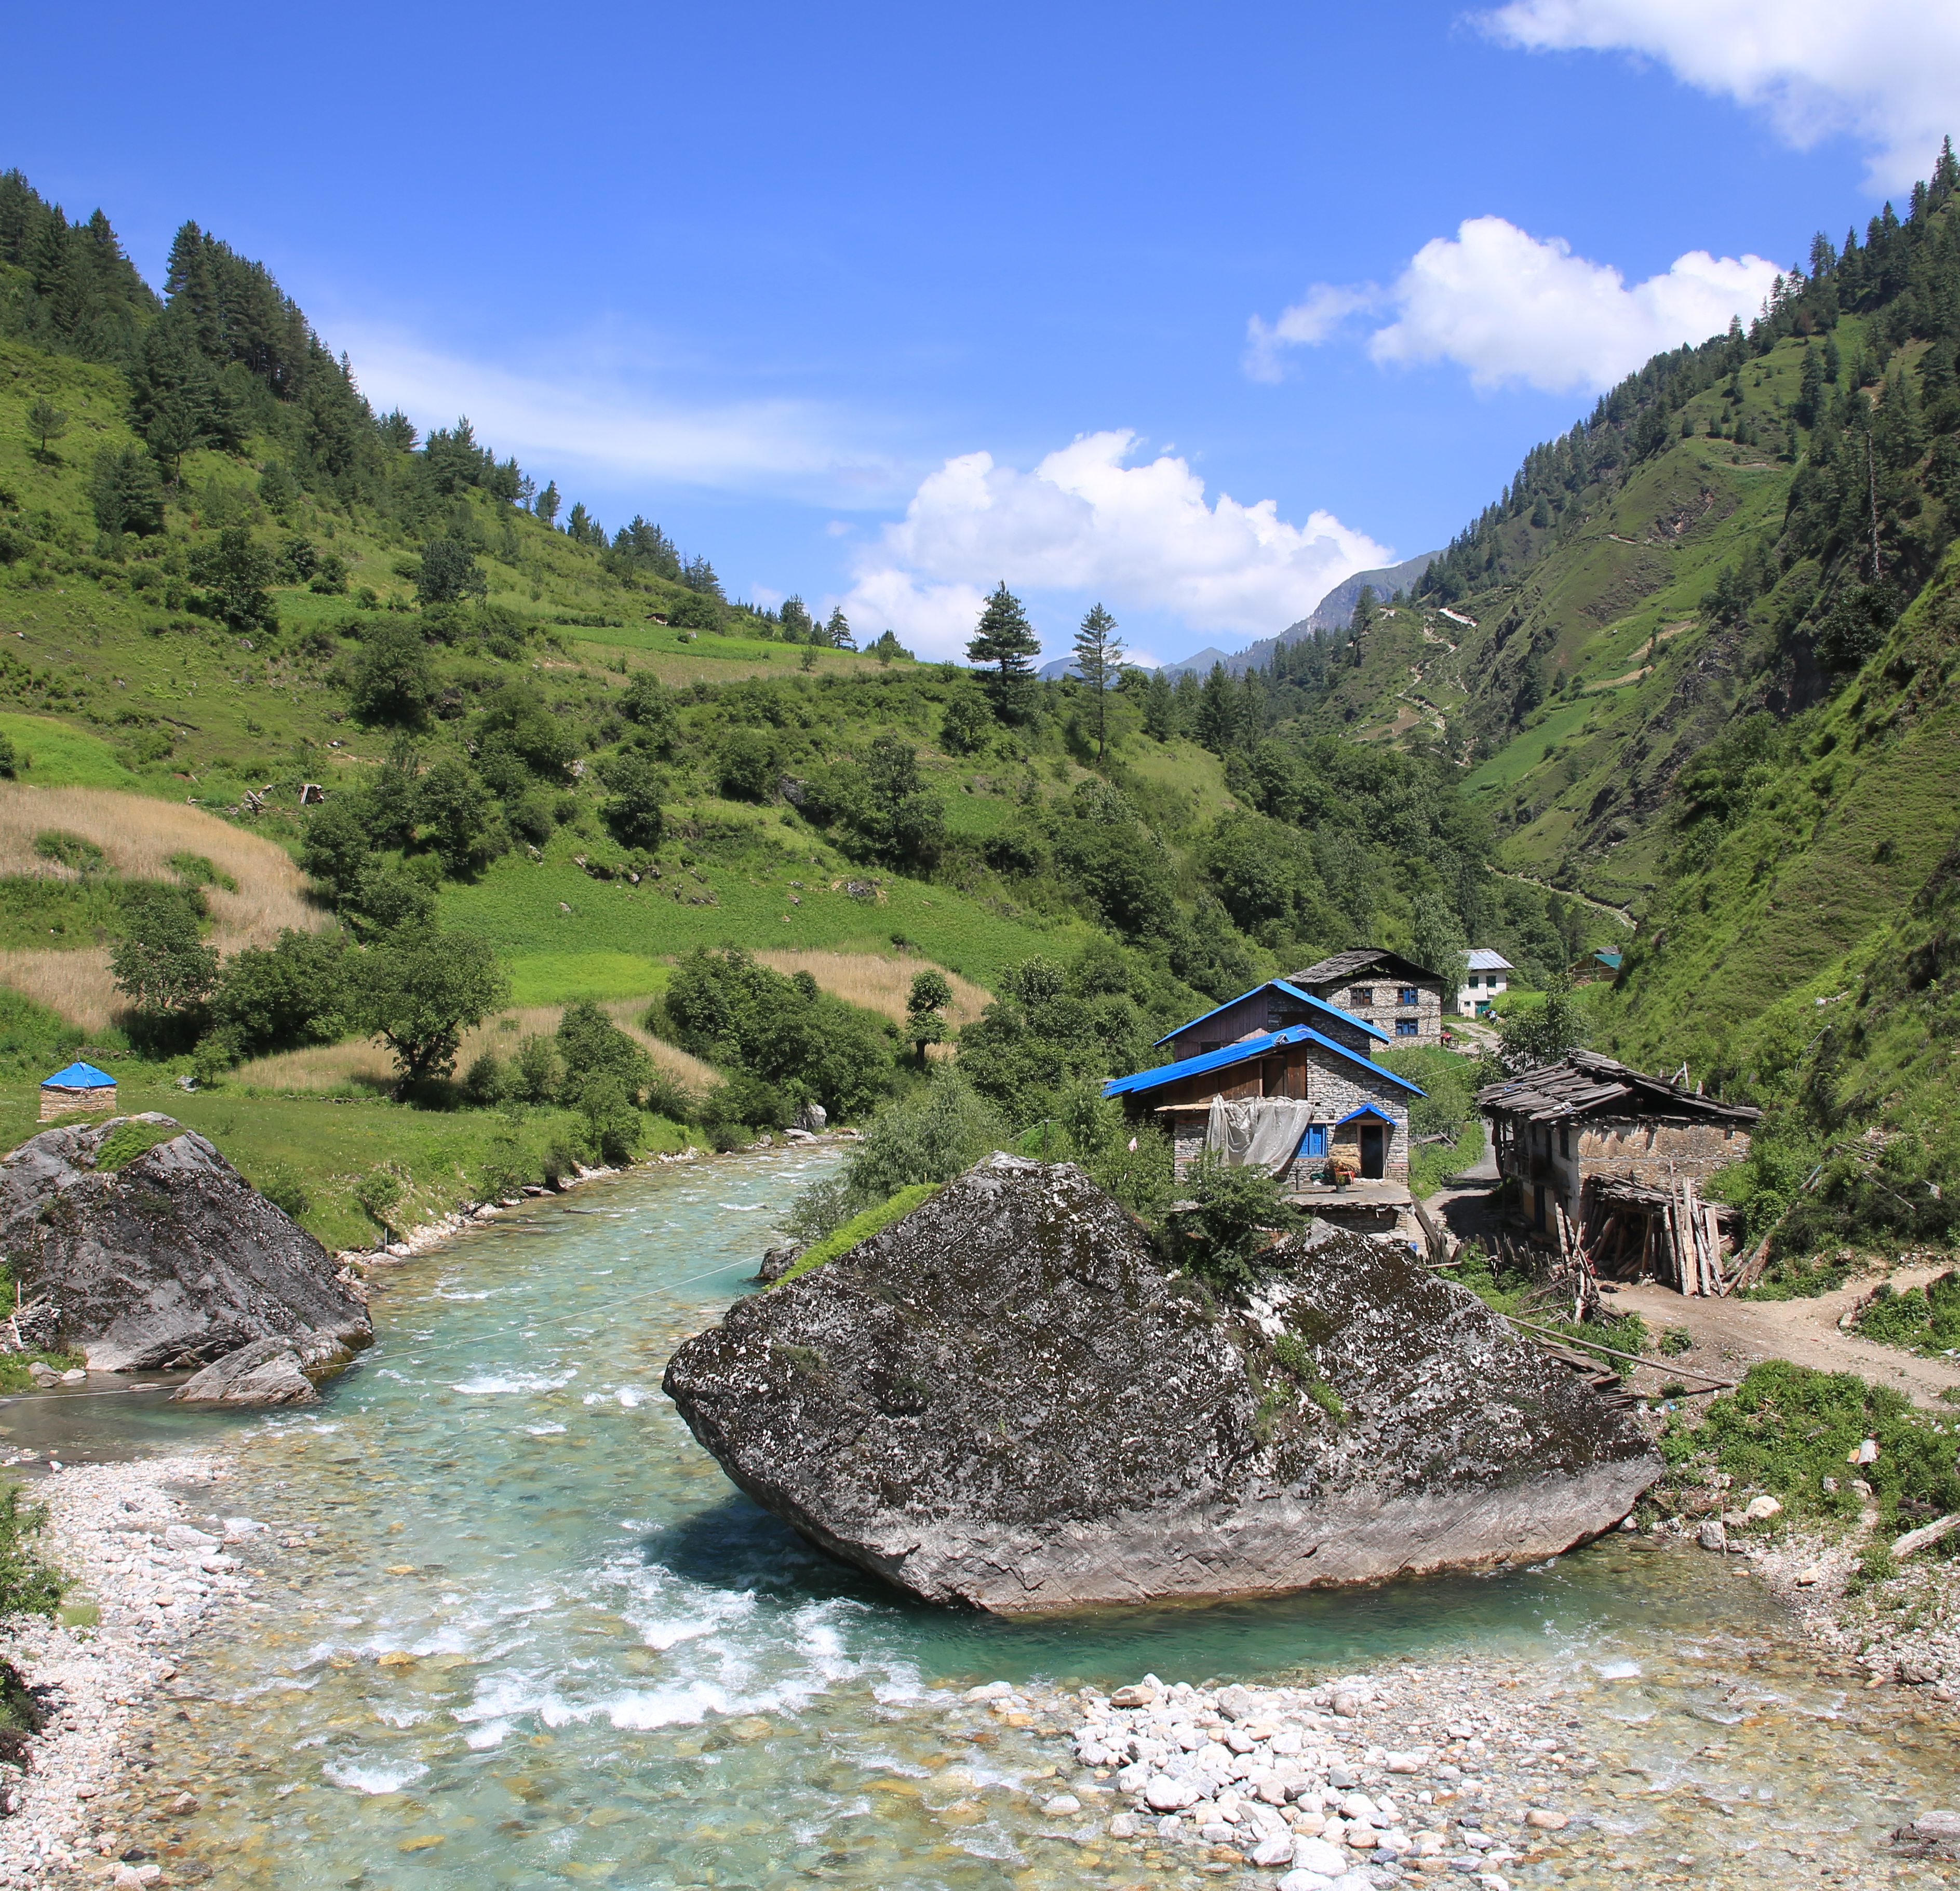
[{"x": 623, "y": 1673}]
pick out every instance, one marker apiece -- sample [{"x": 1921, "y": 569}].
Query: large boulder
[
  {"x": 1006, "y": 1398},
  {"x": 171, "y": 1259}
]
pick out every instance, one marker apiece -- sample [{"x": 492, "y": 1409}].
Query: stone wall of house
[
  {"x": 1334, "y": 1086},
  {"x": 1654, "y": 1151},
  {"x": 1382, "y": 1010}
]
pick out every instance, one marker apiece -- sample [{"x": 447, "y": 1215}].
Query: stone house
[
  {"x": 1268, "y": 1007},
  {"x": 1398, "y": 996},
  {"x": 1356, "y": 1108},
  {"x": 1589, "y": 1143},
  {"x": 1486, "y": 976}
]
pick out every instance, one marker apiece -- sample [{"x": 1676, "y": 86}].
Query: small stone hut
[
  {"x": 1401, "y": 999},
  {"x": 1608, "y": 1160},
  {"x": 79, "y": 1086}
]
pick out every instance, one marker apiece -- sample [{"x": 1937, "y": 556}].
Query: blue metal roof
[
  {"x": 1291, "y": 991},
  {"x": 1366, "y": 1109},
  {"x": 1239, "y": 1053},
  {"x": 81, "y": 1077}
]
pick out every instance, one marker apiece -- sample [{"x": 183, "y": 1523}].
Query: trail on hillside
[{"x": 1620, "y": 913}]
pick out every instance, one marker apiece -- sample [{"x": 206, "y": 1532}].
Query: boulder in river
[
  {"x": 269, "y": 1371},
  {"x": 1008, "y": 1399},
  {"x": 169, "y": 1258}
]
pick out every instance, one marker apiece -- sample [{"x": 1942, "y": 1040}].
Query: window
[
  {"x": 1362, "y": 995},
  {"x": 1407, "y": 1027},
  {"x": 1409, "y": 995},
  {"x": 1314, "y": 1142}
]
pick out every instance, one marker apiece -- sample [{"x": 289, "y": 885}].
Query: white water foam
[
  {"x": 517, "y": 1382},
  {"x": 370, "y": 1779}
]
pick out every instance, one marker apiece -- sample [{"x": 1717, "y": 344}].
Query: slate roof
[
  {"x": 1292, "y": 991},
  {"x": 1344, "y": 965},
  {"x": 1239, "y": 1053},
  {"x": 1582, "y": 1081},
  {"x": 80, "y": 1077}
]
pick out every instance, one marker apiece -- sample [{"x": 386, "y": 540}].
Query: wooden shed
[{"x": 79, "y": 1086}]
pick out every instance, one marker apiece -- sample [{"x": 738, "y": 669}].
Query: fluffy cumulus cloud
[
  {"x": 1086, "y": 520},
  {"x": 1885, "y": 71},
  {"x": 1512, "y": 307}
]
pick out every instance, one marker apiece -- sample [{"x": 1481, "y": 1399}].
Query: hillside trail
[
  {"x": 1620, "y": 913},
  {"x": 1731, "y": 1336}
]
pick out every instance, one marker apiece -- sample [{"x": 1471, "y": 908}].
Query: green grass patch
[
  {"x": 860, "y": 1227},
  {"x": 128, "y": 1141},
  {"x": 562, "y": 978},
  {"x": 51, "y": 754}
]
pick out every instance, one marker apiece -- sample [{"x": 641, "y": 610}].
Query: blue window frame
[
  {"x": 1407, "y": 1027},
  {"x": 1314, "y": 1143},
  {"x": 1408, "y": 995}
]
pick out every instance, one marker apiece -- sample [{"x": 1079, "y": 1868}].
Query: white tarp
[{"x": 1261, "y": 1131}]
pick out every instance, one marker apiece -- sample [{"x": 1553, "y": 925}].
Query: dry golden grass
[
  {"x": 881, "y": 984},
  {"x": 138, "y": 836},
  {"x": 367, "y": 1066}
]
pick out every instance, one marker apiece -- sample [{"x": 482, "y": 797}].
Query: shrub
[
  {"x": 27, "y": 1586},
  {"x": 281, "y": 1187},
  {"x": 486, "y": 1081},
  {"x": 1234, "y": 1211},
  {"x": 378, "y": 1192},
  {"x": 860, "y": 1227}
]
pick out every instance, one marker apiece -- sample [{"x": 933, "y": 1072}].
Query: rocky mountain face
[
  {"x": 1007, "y": 1399},
  {"x": 172, "y": 1259}
]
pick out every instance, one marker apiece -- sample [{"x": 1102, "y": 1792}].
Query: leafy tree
[
  {"x": 595, "y": 1050},
  {"x": 125, "y": 493},
  {"x": 633, "y": 813},
  {"x": 648, "y": 705},
  {"x": 1440, "y": 944},
  {"x": 615, "y": 1127},
  {"x": 448, "y": 573},
  {"x": 697, "y": 611},
  {"x": 1098, "y": 661},
  {"x": 336, "y": 849},
  {"x": 925, "y": 1011},
  {"x": 536, "y": 1071},
  {"x": 745, "y": 770},
  {"x": 1546, "y": 1032},
  {"x": 419, "y": 997},
  {"x": 517, "y": 729},
  {"x": 235, "y": 573},
  {"x": 281, "y": 997},
  {"x": 1005, "y": 641},
  {"x": 393, "y": 681},
  {"x": 457, "y": 815},
  {"x": 45, "y": 422},
  {"x": 932, "y": 1136},
  {"x": 160, "y": 964},
  {"x": 967, "y": 725},
  {"x": 388, "y": 900}
]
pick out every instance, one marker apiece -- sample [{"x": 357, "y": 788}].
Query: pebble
[{"x": 118, "y": 1531}]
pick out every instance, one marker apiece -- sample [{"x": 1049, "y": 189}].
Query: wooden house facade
[
  {"x": 1268, "y": 1007},
  {"x": 1609, "y": 1163},
  {"x": 1404, "y": 1000}
]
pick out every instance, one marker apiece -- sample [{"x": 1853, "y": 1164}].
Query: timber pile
[{"x": 1668, "y": 1233}]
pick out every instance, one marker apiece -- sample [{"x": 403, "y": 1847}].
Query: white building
[{"x": 1483, "y": 982}]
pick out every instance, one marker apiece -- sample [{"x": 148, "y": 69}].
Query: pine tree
[
  {"x": 798, "y": 627},
  {"x": 45, "y": 422},
  {"x": 837, "y": 631},
  {"x": 546, "y": 504},
  {"x": 1005, "y": 639},
  {"x": 1099, "y": 662}
]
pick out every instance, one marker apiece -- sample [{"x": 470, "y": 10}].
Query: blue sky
[{"x": 884, "y": 304}]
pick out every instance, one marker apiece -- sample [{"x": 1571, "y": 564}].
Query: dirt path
[
  {"x": 1730, "y": 1335},
  {"x": 1620, "y": 913}
]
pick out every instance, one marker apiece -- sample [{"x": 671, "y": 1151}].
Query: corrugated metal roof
[
  {"x": 1482, "y": 959},
  {"x": 1292, "y": 991},
  {"x": 1239, "y": 1053},
  {"x": 80, "y": 1077}
]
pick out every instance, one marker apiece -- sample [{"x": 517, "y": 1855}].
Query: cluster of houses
[{"x": 1603, "y": 1161}]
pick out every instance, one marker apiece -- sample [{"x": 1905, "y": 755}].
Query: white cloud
[
  {"x": 589, "y": 416},
  {"x": 1309, "y": 321},
  {"x": 1087, "y": 521},
  {"x": 1510, "y": 307},
  {"x": 1886, "y": 72}
]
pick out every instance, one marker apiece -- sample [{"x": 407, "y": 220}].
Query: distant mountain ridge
[{"x": 1332, "y": 612}]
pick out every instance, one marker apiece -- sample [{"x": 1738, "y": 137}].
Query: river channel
[{"x": 624, "y": 1673}]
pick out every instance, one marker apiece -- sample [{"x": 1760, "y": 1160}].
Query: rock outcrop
[
  {"x": 172, "y": 1259},
  {"x": 267, "y": 1372},
  {"x": 1006, "y": 1399}
]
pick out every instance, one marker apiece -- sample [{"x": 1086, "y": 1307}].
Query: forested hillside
[
  {"x": 527, "y": 762},
  {"x": 1698, "y": 661}
]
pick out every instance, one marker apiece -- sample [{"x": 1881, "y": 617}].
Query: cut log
[{"x": 1915, "y": 1540}]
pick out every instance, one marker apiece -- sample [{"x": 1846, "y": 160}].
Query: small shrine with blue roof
[{"x": 79, "y": 1086}]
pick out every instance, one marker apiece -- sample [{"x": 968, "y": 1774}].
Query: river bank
[{"x": 514, "y": 1630}]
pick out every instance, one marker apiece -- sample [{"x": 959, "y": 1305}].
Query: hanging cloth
[{"x": 1262, "y": 1131}]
